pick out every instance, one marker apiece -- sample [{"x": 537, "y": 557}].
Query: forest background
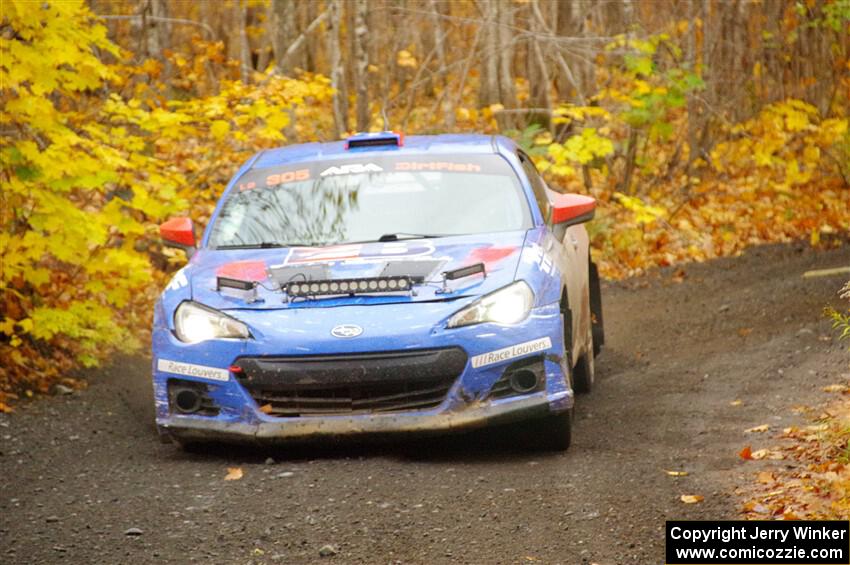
[{"x": 701, "y": 126}]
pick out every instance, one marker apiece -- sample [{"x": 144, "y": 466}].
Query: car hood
[{"x": 499, "y": 252}]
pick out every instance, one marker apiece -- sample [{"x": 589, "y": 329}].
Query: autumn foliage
[{"x": 103, "y": 139}]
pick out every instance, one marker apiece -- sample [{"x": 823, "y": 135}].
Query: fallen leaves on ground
[
  {"x": 677, "y": 473},
  {"x": 813, "y": 481},
  {"x": 691, "y": 498},
  {"x": 758, "y": 429},
  {"x": 233, "y": 474}
]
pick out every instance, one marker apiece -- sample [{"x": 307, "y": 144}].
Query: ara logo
[
  {"x": 351, "y": 168},
  {"x": 347, "y": 330}
]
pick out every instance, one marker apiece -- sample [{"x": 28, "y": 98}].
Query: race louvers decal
[
  {"x": 200, "y": 371},
  {"x": 511, "y": 352}
]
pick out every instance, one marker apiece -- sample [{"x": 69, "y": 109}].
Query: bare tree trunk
[
  {"x": 361, "y": 64},
  {"x": 631, "y": 156},
  {"x": 538, "y": 72},
  {"x": 507, "y": 95},
  {"x": 489, "y": 88},
  {"x": 567, "y": 75},
  {"x": 308, "y": 12},
  {"x": 439, "y": 39},
  {"x": 206, "y": 18},
  {"x": 242, "y": 49},
  {"x": 692, "y": 50},
  {"x": 284, "y": 33},
  {"x": 340, "y": 107}
]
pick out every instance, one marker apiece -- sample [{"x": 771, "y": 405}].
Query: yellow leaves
[
  {"x": 643, "y": 213},
  {"x": 219, "y": 129},
  {"x": 797, "y": 114},
  {"x": 233, "y": 474},
  {"x": 491, "y": 110},
  {"x": 676, "y": 473},
  {"x": 464, "y": 114},
  {"x": 758, "y": 429},
  {"x": 405, "y": 58},
  {"x": 579, "y": 149},
  {"x": 7, "y": 326},
  {"x": 691, "y": 498},
  {"x": 794, "y": 175},
  {"x": 581, "y": 113},
  {"x": 814, "y": 237},
  {"x": 588, "y": 146},
  {"x": 832, "y": 130}
]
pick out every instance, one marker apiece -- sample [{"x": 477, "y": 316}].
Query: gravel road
[{"x": 84, "y": 479}]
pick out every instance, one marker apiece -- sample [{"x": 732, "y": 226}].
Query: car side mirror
[
  {"x": 180, "y": 233},
  {"x": 572, "y": 209}
]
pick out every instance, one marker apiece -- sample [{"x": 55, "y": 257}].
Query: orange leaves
[
  {"x": 233, "y": 474},
  {"x": 96, "y": 157},
  {"x": 813, "y": 481}
]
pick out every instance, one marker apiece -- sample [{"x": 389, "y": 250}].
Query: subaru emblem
[{"x": 347, "y": 330}]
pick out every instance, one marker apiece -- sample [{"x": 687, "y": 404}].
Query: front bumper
[
  {"x": 302, "y": 429},
  {"x": 469, "y": 402}
]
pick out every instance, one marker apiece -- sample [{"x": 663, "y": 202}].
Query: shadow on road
[{"x": 499, "y": 443}]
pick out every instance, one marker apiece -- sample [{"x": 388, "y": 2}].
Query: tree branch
[{"x": 201, "y": 25}]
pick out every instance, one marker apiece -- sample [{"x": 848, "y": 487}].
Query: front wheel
[
  {"x": 596, "y": 309},
  {"x": 585, "y": 370}
]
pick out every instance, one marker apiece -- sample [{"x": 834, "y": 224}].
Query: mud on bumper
[{"x": 310, "y": 428}]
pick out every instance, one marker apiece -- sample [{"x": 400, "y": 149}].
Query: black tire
[
  {"x": 584, "y": 373},
  {"x": 556, "y": 432},
  {"x": 596, "y": 310}
]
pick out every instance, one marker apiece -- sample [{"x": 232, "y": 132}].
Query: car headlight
[
  {"x": 508, "y": 305},
  {"x": 194, "y": 323}
]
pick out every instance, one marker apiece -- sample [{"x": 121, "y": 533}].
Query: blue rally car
[{"x": 378, "y": 285}]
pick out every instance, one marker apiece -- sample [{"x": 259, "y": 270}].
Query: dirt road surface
[{"x": 84, "y": 479}]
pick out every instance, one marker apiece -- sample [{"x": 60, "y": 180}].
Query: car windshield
[{"x": 370, "y": 199}]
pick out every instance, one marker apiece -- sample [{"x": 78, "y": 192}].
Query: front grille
[{"x": 351, "y": 383}]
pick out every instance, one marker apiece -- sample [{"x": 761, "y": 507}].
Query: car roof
[{"x": 444, "y": 144}]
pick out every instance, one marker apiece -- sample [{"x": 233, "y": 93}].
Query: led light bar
[
  {"x": 348, "y": 286},
  {"x": 226, "y": 282},
  {"x": 236, "y": 288},
  {"x": 465, "y": 272}
]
